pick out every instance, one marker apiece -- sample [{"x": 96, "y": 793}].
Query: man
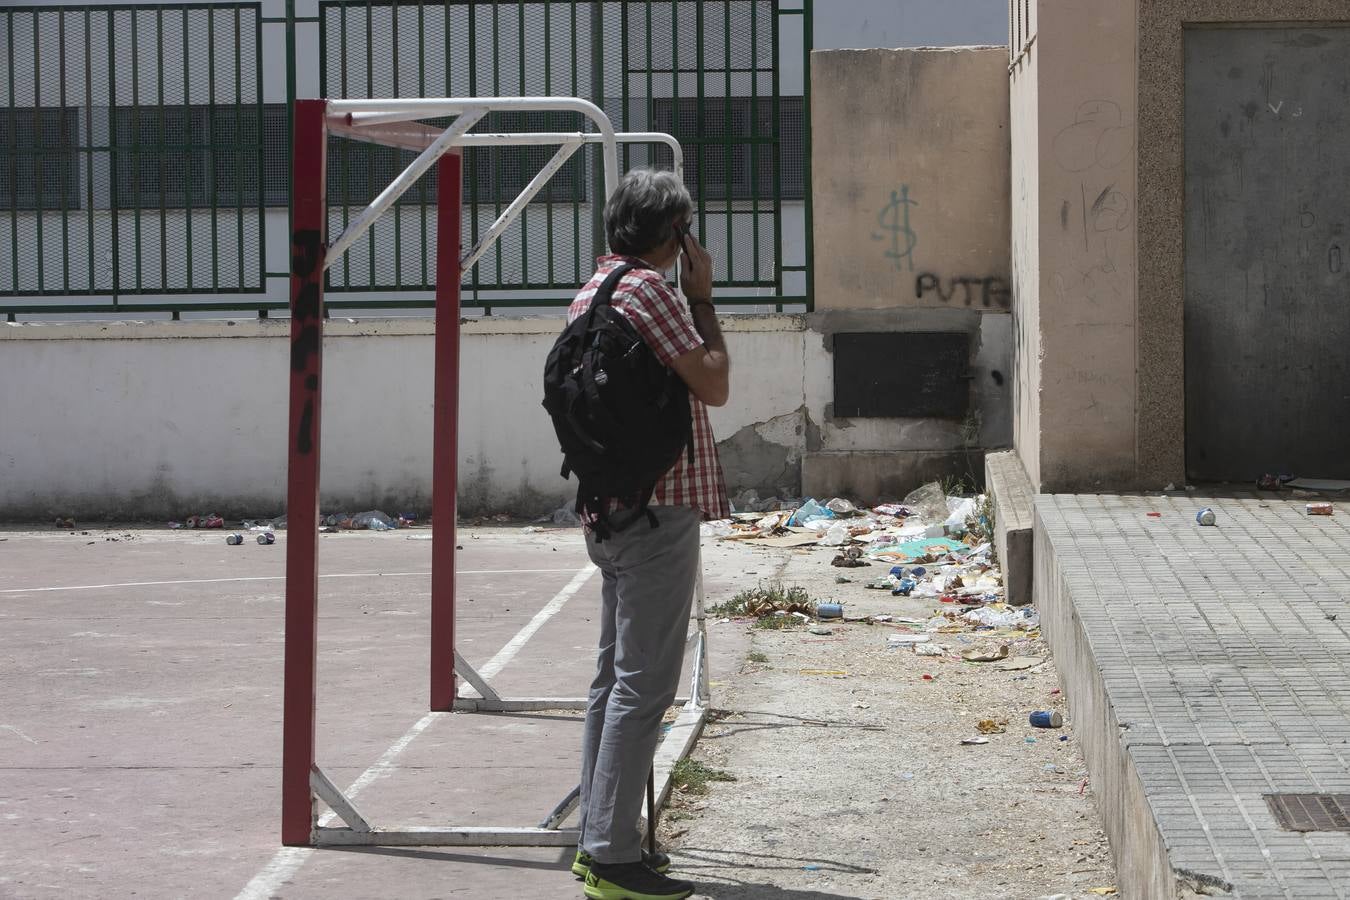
[{"x": 648, "y": 572}]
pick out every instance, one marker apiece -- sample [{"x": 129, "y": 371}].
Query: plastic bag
[
  {"x": 810, "y": 511},
  {"x": 372, "y": 519},
  {"x": 1025, "y": 617},
  {"x": 835, "y": 536},
  {"x": 718, "y": 528},
  {"x": 566, "y": 516},
  {"x": 841, "y": 507},
  {"x": 928, "y": 502},
  {"x": 960, "y": 509}
]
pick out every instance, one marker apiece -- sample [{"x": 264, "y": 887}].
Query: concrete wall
[
  {"x": 911, "y": 218},
  {"x": 910, "y": 178},
  {"x": 1075, "y": 245},
  {"x": 1100, "y": 326},
  {"x": 162, "y": 419},
  {"x": 157, "y": 420},
  {"x": 1088, "y": 200},
  {"x": 1026, "y": 233}
]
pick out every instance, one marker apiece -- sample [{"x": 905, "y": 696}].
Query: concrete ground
[
  {"x": 851, "y": 780},
  {"x": 140, "y": 732},
  {"x": 1206, "y": 668},
  {"x": 140, "y": 712}
]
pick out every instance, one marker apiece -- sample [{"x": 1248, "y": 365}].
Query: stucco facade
[
  {"x": 910, "y": 178},
  {"x": 1099, "y": 213},
  {"x": 1073, "y": 163}
]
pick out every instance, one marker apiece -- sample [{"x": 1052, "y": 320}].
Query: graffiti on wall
[
  {"x": 1095, "y": 149},
  {"x": 893, "y": 220},
  {"x": 990, "y": 291}
]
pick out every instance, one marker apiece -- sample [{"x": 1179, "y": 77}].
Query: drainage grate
[{"x": 1311, "y": 812}]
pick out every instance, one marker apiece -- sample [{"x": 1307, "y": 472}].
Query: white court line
[
  {"x": 288, "y": 860},
  {"x": 121, "y": 584},
  {"x": 504, "y": 655}
]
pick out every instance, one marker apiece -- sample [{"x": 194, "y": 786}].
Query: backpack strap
[
  {"x": 605, "y": 293},
  {"x": 603, "y": 296}
]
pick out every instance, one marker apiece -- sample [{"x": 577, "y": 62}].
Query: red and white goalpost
[{"x": 394, "y": 122}]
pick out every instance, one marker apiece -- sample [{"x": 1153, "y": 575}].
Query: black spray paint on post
[{"x": 307, "y": 254}]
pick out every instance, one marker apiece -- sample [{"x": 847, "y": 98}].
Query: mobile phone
[{"x": 683, "y": 232}]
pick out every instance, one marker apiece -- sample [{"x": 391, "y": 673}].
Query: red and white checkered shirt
[{"x": 664, "y": 322}]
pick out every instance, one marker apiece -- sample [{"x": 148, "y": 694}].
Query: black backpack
[{"x": 622, "y": 417}]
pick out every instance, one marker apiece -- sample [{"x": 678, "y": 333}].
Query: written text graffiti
[
  {"x": 894, "y": 219},
  {"x": 991, "y": 291}
]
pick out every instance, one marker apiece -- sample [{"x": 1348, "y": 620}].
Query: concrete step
[
  {"x": 1205, "y": 669},
  {"x": 1014, "y": 516}
]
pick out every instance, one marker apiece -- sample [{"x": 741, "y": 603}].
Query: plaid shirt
[{"x": 665, "y": 324}]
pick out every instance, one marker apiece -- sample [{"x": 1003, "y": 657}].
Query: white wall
[{"x": 166, "y": 419}]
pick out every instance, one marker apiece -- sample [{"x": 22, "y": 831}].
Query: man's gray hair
[{"x": 640, "y": 213}]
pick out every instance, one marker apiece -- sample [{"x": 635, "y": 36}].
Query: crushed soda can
[
  {"x": 1046, "y": 718},
  {"x": 1205, "y": 517},
  {"x": 1319, "y": 509},
  {"x": 829, "y": 610},
  {"x": 234, "y": 540},
  {"x": 267, "y": 537},
  {"x": 1268, "y": 482}
]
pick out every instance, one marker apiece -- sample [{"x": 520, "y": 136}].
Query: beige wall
[
  {"x": 1074, "y": 166},
  {"x": 1026, "y": 268},
  {"x": 1088, "y": 201},
  {"x": 910, "y": 178},
  {"x": 1099, "y": 285}
]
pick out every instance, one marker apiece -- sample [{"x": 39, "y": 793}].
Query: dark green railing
[{"x": 144, "y": 149}]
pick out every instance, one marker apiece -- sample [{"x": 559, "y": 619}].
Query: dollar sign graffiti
[{"x": 894, "y": 218}]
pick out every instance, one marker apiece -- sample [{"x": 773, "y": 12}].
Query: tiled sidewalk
[{"x": 1206, "y": 667}]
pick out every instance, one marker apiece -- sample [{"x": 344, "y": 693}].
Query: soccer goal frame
[{"x": 395, "y": 122}]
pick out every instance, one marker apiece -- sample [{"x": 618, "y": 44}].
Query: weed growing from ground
[{"x": 692, "y": 776}]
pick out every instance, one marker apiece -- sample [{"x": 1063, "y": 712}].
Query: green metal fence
[{"x": 144, "y": 149}]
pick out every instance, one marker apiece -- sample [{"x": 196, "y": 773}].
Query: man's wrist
[{"x": 700, "y": 301}]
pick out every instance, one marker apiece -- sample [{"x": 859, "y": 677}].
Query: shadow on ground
[
  {"x": 734, "y": 722},
  {"x": 697, "y": 864},
  {"x": 706, "y": 867},
  {"x": 560, "y": 864}
]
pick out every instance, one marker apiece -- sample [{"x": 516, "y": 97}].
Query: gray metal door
[{"x": 1267, "y": 252}]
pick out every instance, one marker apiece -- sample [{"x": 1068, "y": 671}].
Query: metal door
[{"x": 1267, "y": 303}]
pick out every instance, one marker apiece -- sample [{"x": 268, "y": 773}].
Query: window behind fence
[{"x": 145, "y": 149}]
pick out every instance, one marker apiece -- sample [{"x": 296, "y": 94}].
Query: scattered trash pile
[
  {"x": 265, "y": 530},
  {"x": 901, "y": 532},
  {"x": 983, "y": 634},
  {"x": 933, "y": 545}
]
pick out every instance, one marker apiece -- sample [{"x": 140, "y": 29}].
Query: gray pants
[{"x": 649, "y": 575}]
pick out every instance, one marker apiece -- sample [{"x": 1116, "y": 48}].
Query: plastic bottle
[{"x": 904, "y": 588}]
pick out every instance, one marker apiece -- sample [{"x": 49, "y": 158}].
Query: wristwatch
[{"x": 702, "y": 302}]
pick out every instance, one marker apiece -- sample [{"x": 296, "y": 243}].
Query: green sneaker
[
  {"x": 657, "y": 862},
  {"x": 632, "y": 881}
]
